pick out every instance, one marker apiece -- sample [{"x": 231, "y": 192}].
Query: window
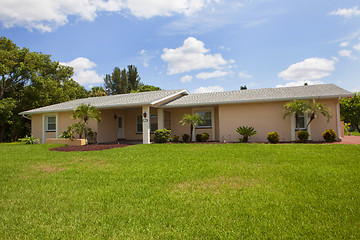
[
  {"x": 300, "y": 122},
  {"x": 51, "y": 124},
  {"x": 138, "y": 124},
  {"x": 206, "y": 117},
  {"x": 153, "y": 123}
]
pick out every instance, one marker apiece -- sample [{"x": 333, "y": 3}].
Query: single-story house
[{"x": 135, "y": 116}]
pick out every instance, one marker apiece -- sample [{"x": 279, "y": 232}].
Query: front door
[{"x": 120, "y": 124}]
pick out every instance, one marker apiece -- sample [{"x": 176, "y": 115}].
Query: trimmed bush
[
  {"x": 202, "y": 137},
  {"x": 273, "y": 137},
  {"x": 162, "y": 135},
  {"x": 329, "y": 135},
  {"x": 185, "y": 137},
  {"x": 303, "y": 136},
  {"x": 175, "y": 138}
]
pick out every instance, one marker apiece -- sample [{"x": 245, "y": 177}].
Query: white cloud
[
  {"x": 215, "y": 74},
  {"x": 357, "y": 47},
  {"x": 186, "y": 78},
  {"x": 192, "y": 55},
  {"x": 309, "y": 69},
  {"x": 83, "y": 72},
  {"x": 344, "y": 44},
  {"x": 347, "y": 12},
  {"x": 244, "y": 74},
  {"x": 209, "y": 89},
  {"x": 145, "y": 57},
  {"x": 346, "y": 53},
  {"x": 46, "y": 16},
  {"x": 299, "y": 83}
]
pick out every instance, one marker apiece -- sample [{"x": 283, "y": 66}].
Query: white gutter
[{"x": 24, "y": 116}]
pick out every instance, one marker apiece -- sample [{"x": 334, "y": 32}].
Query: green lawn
[{"x": 181, "y": 191}]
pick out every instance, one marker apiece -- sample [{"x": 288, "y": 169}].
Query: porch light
[
  {"x": 144, "y": 114},
  {"x": 115, "y": 116}
]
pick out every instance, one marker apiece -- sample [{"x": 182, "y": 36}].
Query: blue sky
[{"x": 199, "y": 45}]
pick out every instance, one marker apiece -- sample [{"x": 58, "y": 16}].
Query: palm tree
[
  {"x": 315, "y": 109},
  {"x": 86, "y": 112},
  {"x": 296, "y": 107},
  {"x": 193, "y": 120},
  {"x": 97, "y": 92}
]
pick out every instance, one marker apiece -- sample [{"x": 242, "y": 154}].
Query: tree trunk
[
  {"x": 191, "y": 131},
  {"x": 85, "y": 129},
  {"x": 2, "y": 133}
]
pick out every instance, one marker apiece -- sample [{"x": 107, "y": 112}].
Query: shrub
[
  {"x": 329, "y": 135},
  {"x": 273, "y": 137},
  {"x": 303, "y": 136},
  {"x": 162, "y": 135},
  {"x": 186, "y": 137},
  {"x": 202, "y": 137},
  {"x": 30, "y": 140},
  {"x": 246, "y": 132},
  {"x": 69, "y": 133},
  {"x": 175, "y": 138}
]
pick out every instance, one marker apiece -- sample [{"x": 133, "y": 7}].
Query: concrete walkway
[{"x": 350, "y": 140}]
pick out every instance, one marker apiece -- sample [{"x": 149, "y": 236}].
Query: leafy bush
[
  {"x": 185, "y": 137},
  {"x": 69, "y": 133},
  {"x": 30, "y": 140},
  {"x": 175, "y": 138},
  {"x": 79, "y": 128},
  {"x": 162, "y": 135},
  {"x": 329, "y": 135},
  {"x": 347, "y": 129},
  {"x": 246, "y": 132},
  {"x": 273, "y": 137},
  {"x": 202, "y": 137},
  {"x": 303, "y": 136}
]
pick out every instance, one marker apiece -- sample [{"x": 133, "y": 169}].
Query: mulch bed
[{"x": 94, "y": 147}]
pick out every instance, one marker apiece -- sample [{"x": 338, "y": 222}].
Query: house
[{"x": 135, "y": 116}]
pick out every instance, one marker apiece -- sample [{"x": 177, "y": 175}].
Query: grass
[
  {"x": 181, "y": 191},
  {"x": 355, "y": 133}
]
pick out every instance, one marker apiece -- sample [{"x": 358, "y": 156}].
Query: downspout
[{"x": 338, "y": 118}]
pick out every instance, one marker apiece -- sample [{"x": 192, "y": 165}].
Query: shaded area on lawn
[{"x": 94, "y": 147}]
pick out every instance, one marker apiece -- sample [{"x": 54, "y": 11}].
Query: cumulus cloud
[
  {"x": 357, "y": 47},
  {"x": 209, "y": 89},
  {"x": 309, "y": 69},
  {"x": 347, "y": 12},
  {"x": 192, "y": 55},
  {"x": 186, "y": 78},
  {"x": 83, "y": 71},
  {"x": 299, "y": 83},
  {"x": 346, "y": 53},
  {"x": 215, "y": 74},
  {"x": 344, "y": 44},
  {"x": 46, "y": 16},
  {"x": 244, "y": 74}
]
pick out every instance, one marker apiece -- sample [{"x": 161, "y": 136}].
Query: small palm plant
[
  {"x": 246, "y": 132},
  {"x": 86, "y": 112},
  {"x": 193, "y": 120}
]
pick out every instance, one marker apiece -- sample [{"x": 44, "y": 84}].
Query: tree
[
  {"x": 97, "y": 92},
  {"x": 315, "y": 109},
  {"x": 296, "y": 107},
  {"x": 123, "y": 81},
  {"x": 85, "y": 112},
  {"x": 193, "y": 120},
  {"x": 146, "y": 88},
  {"x": 312, "y": 110},
  {"x": 350, "y": 110},
  {"x": 31, "y": 80}
]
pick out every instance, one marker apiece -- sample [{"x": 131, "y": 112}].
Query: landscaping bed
[{"x": 92, "y": 147}]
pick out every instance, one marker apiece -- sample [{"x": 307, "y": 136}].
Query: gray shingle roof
[
  {"x": 121, "y": 100},
  {"x": 260, "y": 95}
]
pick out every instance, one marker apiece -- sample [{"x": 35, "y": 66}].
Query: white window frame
[
  {"x": 305, "y": 122},
  {"x": 47, "y": 123},
  {"x": 211, "y": 118},
  {"x": 212, "y": 127},
  {"x": 138, "y": 116}
]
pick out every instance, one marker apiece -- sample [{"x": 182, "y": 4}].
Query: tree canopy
[
  {"x": 350, "y": 110},
  {"x": 194, "y": 120},
  {"x": 30, "y": 80},
  {"x": 123, "y": 81},
  {"x": 146, "y": 88}
]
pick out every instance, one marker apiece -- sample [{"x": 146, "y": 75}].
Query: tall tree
[
  {"x": 133, "y": 78},
  {"x": 29, "y": 80},
  {"x": 86, "y": 112},
  {"x": 124, "y": 81},
  {"x": 350, "y": 110},
  {"x": 146, "y": 88},
  {"x": 97, "y": 92}
]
